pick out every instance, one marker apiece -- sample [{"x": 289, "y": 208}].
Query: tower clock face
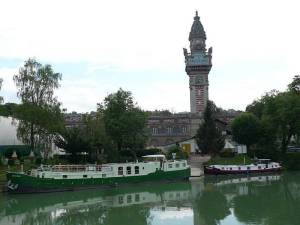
[{"x": 199, "y": 80}]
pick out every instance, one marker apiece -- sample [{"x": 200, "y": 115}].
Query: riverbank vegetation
[
  {"x": 270, "y": 124},
  {"x": 235, "y": 160},
  {"x": 115, "y": 132}
]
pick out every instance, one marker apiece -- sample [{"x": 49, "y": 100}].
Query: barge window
[
  {"x": 230, "y": 168},
  {"x": 137, "y": 197},
  {"x": 239, "y": 168},
  {"x": 170, "y": 165},
  {"x": 85, "y": 176},
  {"x": 65, "y": 176},
  {"x": 183, "y": 164},
  {"x": 120, "y": 199},
  {"x": 177, "y": 165},
  {"x": 136, "y": 170},
  {"x": 129, "y": 170},
  {"x": 120, "y": 170},
  {"x": 103, "y": 175},
  {"x": 129, "y": 199},
  {"x": 248, "y": 168},
  {"x": 259, "y": 167}
]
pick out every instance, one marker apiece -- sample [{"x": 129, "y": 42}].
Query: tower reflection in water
[{"x": 270, "y": 199}]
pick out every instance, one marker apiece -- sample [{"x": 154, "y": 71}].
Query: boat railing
[{"x": 78, "y": 168}]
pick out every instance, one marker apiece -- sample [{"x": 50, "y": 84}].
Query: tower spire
[{"x": 198, "y": 65}]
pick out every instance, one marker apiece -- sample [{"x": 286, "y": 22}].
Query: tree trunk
[{"x": 31, "y": 136}]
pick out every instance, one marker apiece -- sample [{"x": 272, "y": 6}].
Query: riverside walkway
[{"x": 196, "y": 164}]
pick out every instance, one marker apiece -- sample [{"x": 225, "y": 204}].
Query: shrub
[
  {"x": 180, "y": 154},
  {"x": 292, "y": 161},
  {"x": 11, "y": 162},
  {"x": 227, "y": 153}
]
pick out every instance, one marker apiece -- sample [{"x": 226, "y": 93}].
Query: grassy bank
[{"x": 236, "y": 160}]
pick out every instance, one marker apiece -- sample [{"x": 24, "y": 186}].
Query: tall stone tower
[{"x": 198, "y": 65}]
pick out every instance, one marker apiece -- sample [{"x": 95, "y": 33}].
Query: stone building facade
[{"x": 166, "y": 128}]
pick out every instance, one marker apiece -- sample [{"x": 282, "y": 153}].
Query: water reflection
[{"x": 271, "y": 200}]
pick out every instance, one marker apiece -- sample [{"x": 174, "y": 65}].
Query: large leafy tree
[
  {"x": 209, "y": 138},
  {"x": 125, "y": 122},
  {"x": 1, "y": 98},
  {"x": 246, "y": 129},
  {"x": 279, "y": 111},
  {"x": 74, "y": 141},
  {"x": 36, "y": 84}
]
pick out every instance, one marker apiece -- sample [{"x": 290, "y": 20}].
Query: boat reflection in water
[{"x": 267, "y": 199}]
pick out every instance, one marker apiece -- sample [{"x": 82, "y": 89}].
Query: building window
[
  {"x": 154, "y": 130},
  {"x": 136, "y": 170},
  {"x": 128, "y": 170},
  {"x": 169, "y": 130},
  {"x": 184, "y": 130},
  {"x": 120, "y": 170}
]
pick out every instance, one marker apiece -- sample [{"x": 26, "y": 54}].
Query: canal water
[{"x": 269, "y": 200}]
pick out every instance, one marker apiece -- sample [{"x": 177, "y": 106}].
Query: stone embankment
[{"x": 196, "y": 164}]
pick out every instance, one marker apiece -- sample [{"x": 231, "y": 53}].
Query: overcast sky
[{"x": 100, "y": 46}]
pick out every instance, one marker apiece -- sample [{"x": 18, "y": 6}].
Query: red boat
[{"x": 260, "y": 166}]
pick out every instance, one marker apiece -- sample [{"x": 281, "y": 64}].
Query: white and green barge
[{"x": 71, "y": 177}]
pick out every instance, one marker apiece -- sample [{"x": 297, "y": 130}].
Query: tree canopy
[
  {"x": 40, "y": 115},
  {"x": 279, "y": 114},
  {"x": 1, "y": 98},
  {"x": 246, "y": 129},
  {"x": 125, "y": 122},
  {"x": 209, "y": 138}
]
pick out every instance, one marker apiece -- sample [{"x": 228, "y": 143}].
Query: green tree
[
  {"x": 125, "y": 122},
  {"x": 1, "y": 98},
  {"x": 295, "y": 85},
  {"x": 246, "y": 129},
  {"x": 209, "y": 138},
  {"x": 36, "y": 84},
  {"x": 75, "y": 142},
  {"x": 96, "y": 135}
]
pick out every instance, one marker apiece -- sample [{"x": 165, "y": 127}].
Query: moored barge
[
  {"x": 260, "y": 166},
  {"x": 71, "y": 177}
]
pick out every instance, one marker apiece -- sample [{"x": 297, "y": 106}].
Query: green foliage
[
  {"x": 74, "y": 142},
  {"x": 40, "y": 115},
  {"x": 1, "y": 98},
  {"x": 125, "y": 123},
  {"x": 21, "y": 150},
  {"x": 209, "y": 137},
  {"x": 292, "y": 161},
  {"x": 227, "y": 153},
  {"x": 8, "y": 109},
  {"x": 236, "y": 160},
  {"x": 180, "y": 154},
  {"x": 279, "y": 119},
  {"x": 295, "y": 85},
  {"x": 246, "y": 129}
]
